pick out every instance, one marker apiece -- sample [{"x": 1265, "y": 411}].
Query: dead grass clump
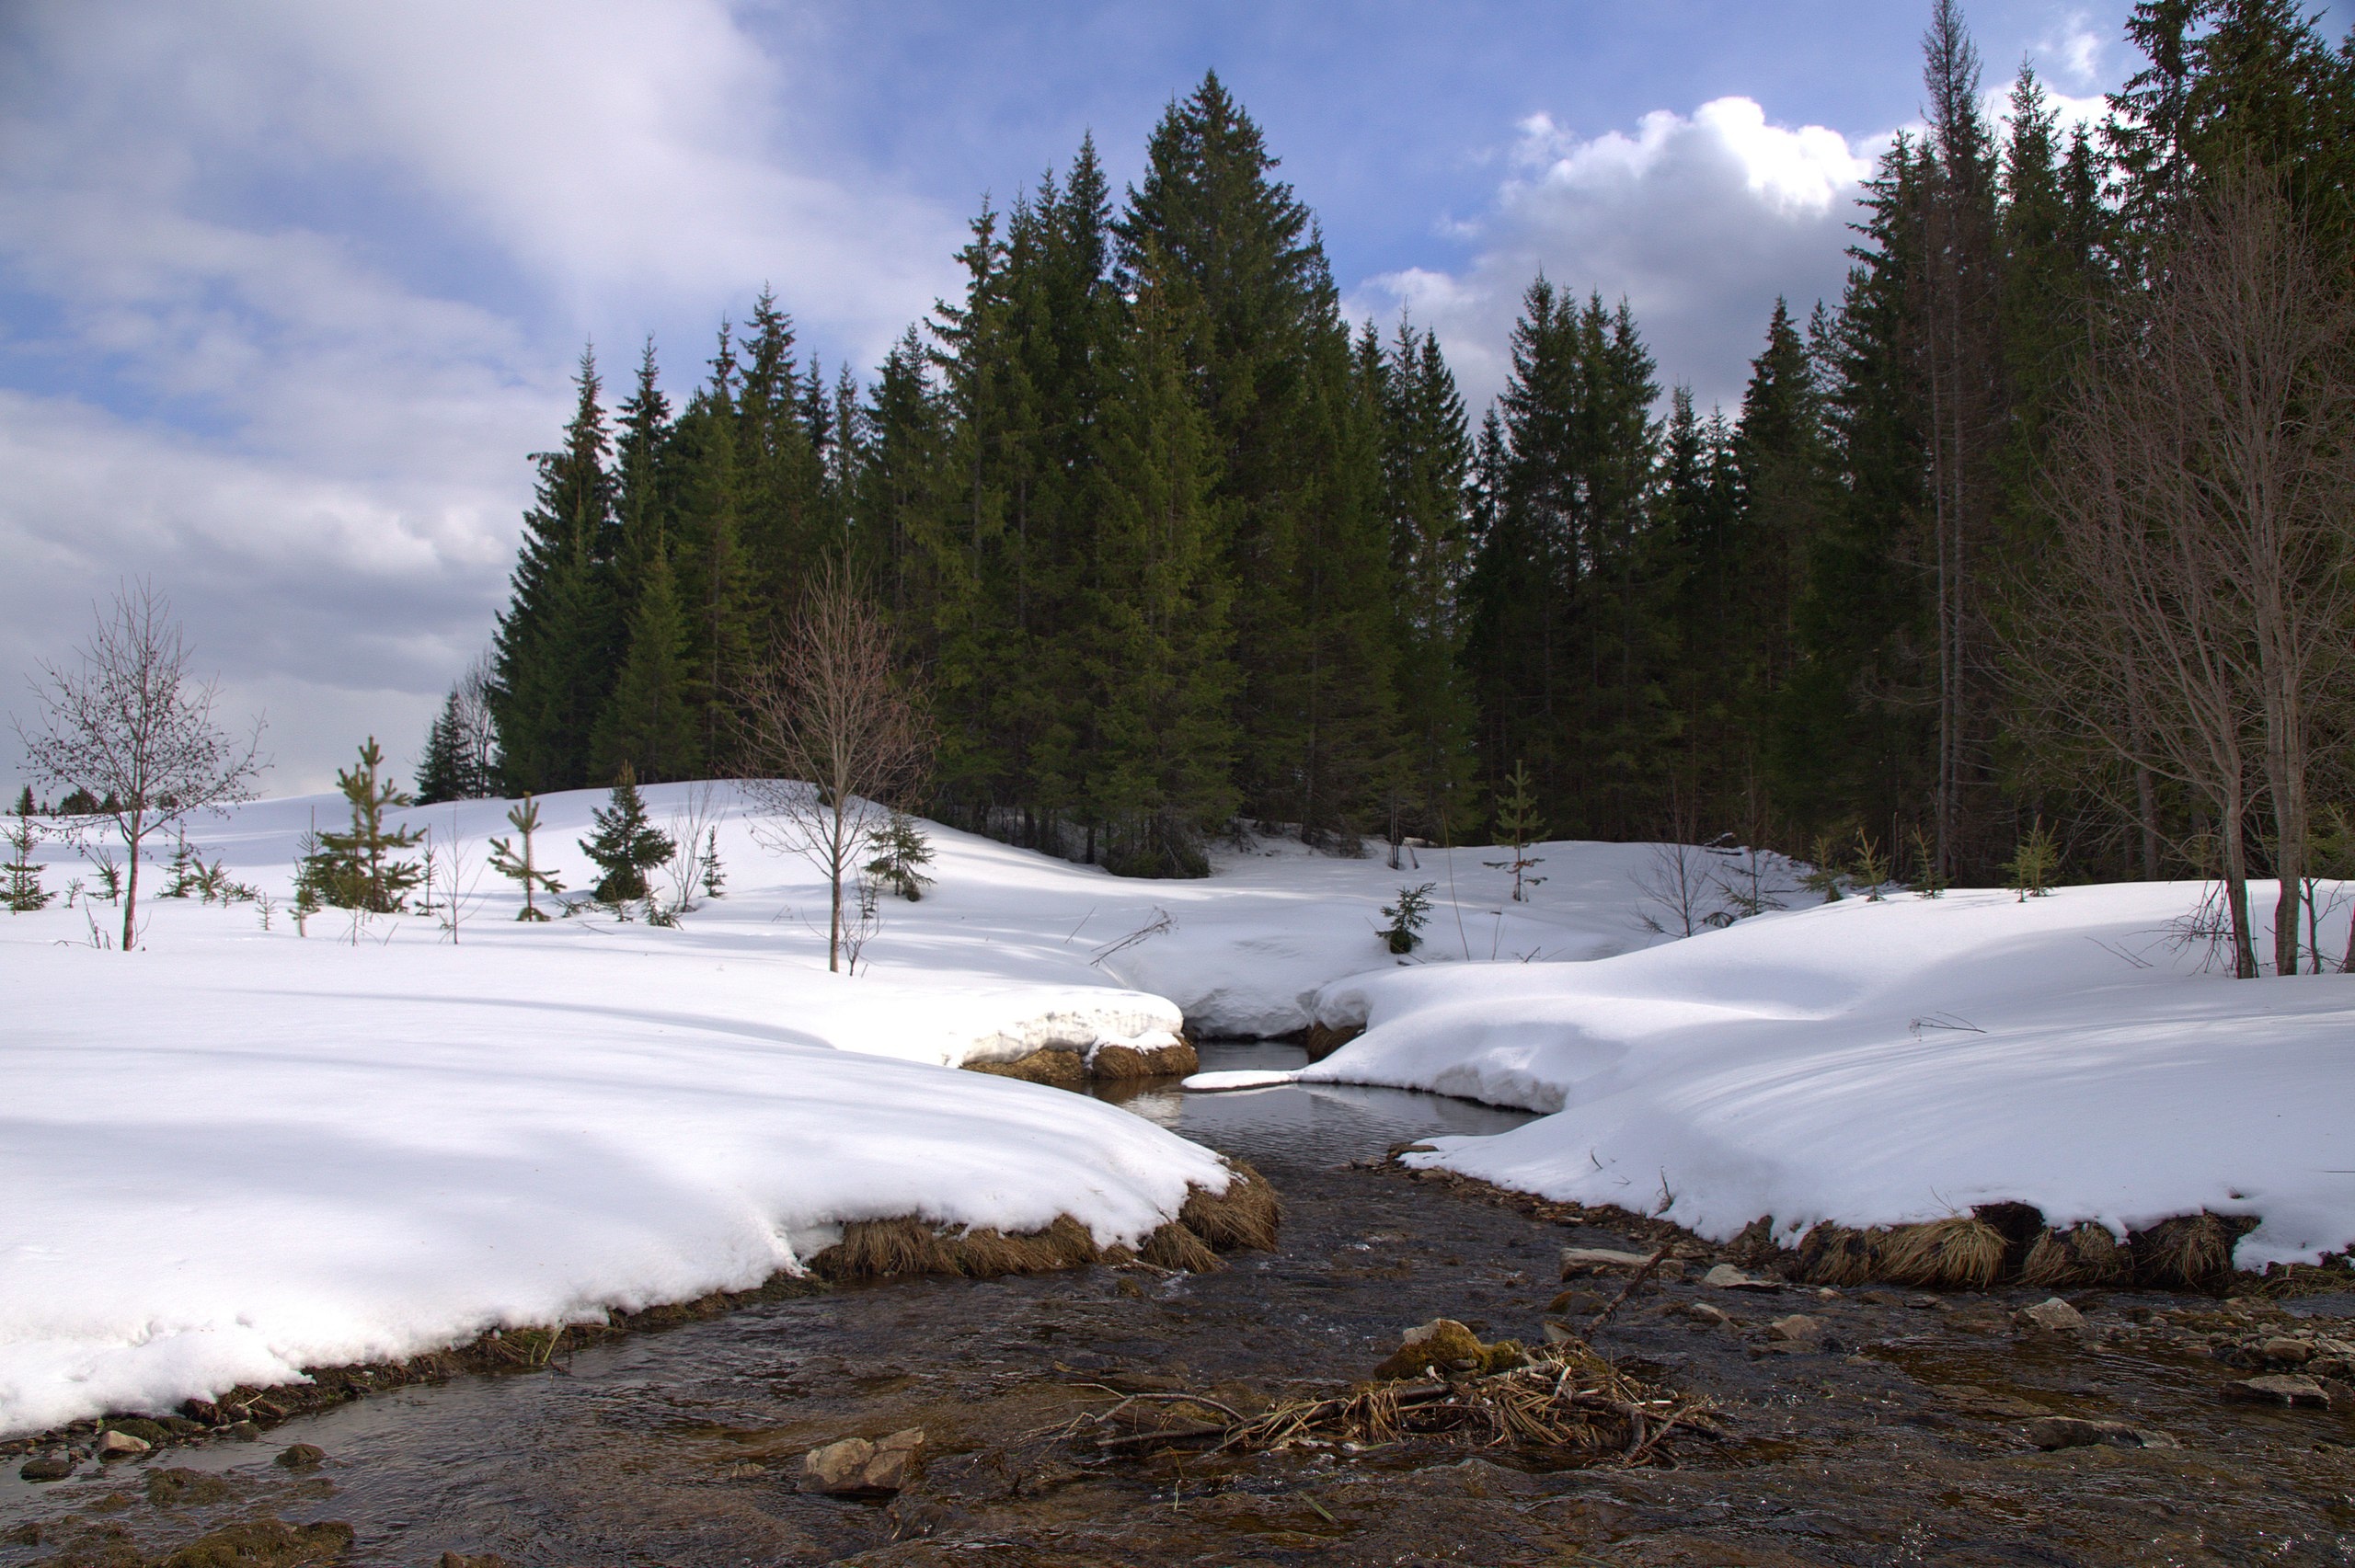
[
  {"x": 265, "y": 1542},
  {"x": 1322, "y": 1042},
  {"x": 1120, "y": 1063},
  {"x": 1839, "y": 1254},
  {"x": 2191, "y": 1251},
  {"x": 1246, "y": 1216},
  {"x": 1959, "y": 1253},
  {"x": 881, "y": 1249},
  {"x": 1175, "y": 1246},
  {"x": 2084, "y": 1254},
  {"x": 1057, "y": 1069},
  {"x": 1565, "y": 1403}
]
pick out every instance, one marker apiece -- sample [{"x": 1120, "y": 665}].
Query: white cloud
[
  {"x": 1700, "y": 221},
  {"x": 294, "y": 289}
]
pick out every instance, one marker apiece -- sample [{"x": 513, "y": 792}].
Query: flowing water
[{"x": 1895, "y": 1438}]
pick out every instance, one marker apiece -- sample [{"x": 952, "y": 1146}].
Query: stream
[{"x": 1895, "y": 1437}]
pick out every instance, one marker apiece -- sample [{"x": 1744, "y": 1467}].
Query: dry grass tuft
[
  {"x": 1246, "y": 1216},
  {"x": 1057, "y": 1069},
  {"x": 1120, "y": 1063},
  {"x": 2086, "y": 1254},
  {"x": 2191, "y": 1251},
  {"x": 882, "y": 1249},
  {"x": 1838, "y": 1254},
  {"x": 1175, "y": 1246},
  {"x": 1565, "y": 1402},
  {"x": 1960, "y": 1252},
  {"x": 1322, "y": 1042}
]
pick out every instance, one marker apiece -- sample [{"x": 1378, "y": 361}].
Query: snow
[
  {"x": 1894, "y": 1061},
  {"x": 240, "y": 1151}
]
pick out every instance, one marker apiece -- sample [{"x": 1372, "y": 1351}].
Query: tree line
[{"x": 1166, "y": 544}]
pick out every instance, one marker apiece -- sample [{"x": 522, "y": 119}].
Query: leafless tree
[
  {"x": 830, "y": 738},
  {"x": 133, "y": 729},
  {"x": 2194, "y": 620}
]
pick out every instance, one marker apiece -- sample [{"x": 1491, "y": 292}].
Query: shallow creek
[{"x": 1896, "y": 1438}]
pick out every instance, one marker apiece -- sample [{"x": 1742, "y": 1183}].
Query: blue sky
[{"x": 288, "y": 291}]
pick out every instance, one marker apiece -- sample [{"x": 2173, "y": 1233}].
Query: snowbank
[
  {"x": 1883, "y": 1063},
  {"x": 242, "y": 1149}
]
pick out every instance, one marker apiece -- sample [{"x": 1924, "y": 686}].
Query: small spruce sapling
[
  {"x": 109, "y": 874},
  {"x": 714, "y": 880},
  {"x": 1408, "y": 917},
  {"x": 2029, "y": 871},
  {"x": 1872, "y": 866},
  {"x": 183, "y": 866},
  {"x": 357, "y": 866},
  {"x": 626, "y": 846},
  {"x": 1824, "y": 876},
  {"x": 1519, "y": 826},
  {"x": 1929, "y": 881},
  {"x": 518, "y": 866},
  {"x": 902, "y": 850},
  {"x": 24, "y": 892}
]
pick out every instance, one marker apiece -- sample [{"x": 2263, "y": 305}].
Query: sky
[{"x": 290, "y": 289}]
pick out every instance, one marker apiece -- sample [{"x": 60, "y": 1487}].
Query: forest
[{"x": 1166, "y": 542}]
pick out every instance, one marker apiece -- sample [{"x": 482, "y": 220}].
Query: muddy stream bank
[{"x": 1898, "y": 1429}]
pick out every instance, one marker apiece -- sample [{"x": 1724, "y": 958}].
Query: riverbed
[{"x": 1896, "y": 1433}]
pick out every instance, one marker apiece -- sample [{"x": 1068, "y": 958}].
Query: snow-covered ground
[
  {"x": 1893, "y": 1061},
  {"x": 241, "y": 1150}
]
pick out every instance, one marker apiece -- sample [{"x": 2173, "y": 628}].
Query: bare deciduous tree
[
  {"x": 830, "y": 738},
  {"x": 2194, "y": 620},
  {"x": 133, "y": 729}
]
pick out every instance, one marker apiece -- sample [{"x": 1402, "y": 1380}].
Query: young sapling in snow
[
  {"x": 714, "y": 881},
  {"x": 24, "y": 892},
  {"x": 1929, "y": 881},
  {"x": 109, "y": 874},
  {"x": 1872, "y": 866},
  {"x": 626, "y": 846},
  {"x": 1824, "y": 876},
  {"x": 519, "y": 866},
  {"x": 1408, "y": 917},
  {"x": 902, "y": 851},
  {"x": 356, "y": 869},
  {"x": 2029, "y": 871},
  {"x": 1519, "y": 826}
]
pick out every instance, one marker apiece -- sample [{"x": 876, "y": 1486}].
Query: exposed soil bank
[{"x": 1105, "y": 1064}]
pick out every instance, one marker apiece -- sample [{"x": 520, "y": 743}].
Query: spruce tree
[
  {"x": 358, "y": 869},
  {"x": 648, "y": 727},
  {"x": 625, "y": 846},
  {"x": 23, "y": 892},
  {"x": 521, "y": 865}
]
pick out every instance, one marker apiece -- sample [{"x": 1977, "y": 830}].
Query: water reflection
[{"x": 1315, "y": 1123}]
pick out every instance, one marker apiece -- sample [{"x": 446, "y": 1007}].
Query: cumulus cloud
[
  {"x": 1699, "y": 221},
  {"x": 288, "y": 292}
]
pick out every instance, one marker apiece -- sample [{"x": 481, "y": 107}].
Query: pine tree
[
  {"x": 626, "y": 846},
  {"x": 1518, "y": 824},
  {"x": 441, "y": 773},
  {"x": 23, "y": 892},
  {"x": 519, "y": 866},
  {"x": 707, "y": 555},
  {"x": 357, "y": 868},
  {"x": 648, "y": 726},
  {"x": 558, "y": 642}
]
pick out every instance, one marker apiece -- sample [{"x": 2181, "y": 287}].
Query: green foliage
[
  {"x": 626, "y": 846},
  {"x": 1872, "y": 866},
  {"x": 23, "y": 892},
  {"x": 519, "y": 865},
  {"x": 2030, "y": 870},
  {"x": 902, "y": 852},
  {"x": 1408, "y": 917},
  {"x": 1519, "y": 825},
  {"x": 715, "y": 881},
  {"x": 1928, "y": 880},
  {"x": 359, "y": 868},
  {"x": 1824, "y": 875}
]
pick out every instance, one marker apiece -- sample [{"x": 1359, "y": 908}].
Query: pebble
[
  {"x": 1797, "y": 1328},
  {"x": 1701, "y": 1313},
  {"x": 2277, "y": 1387},
  {"x": 854, "y": 1467},
  {"x": 1577, "y": 1260},
  {"x": 2074, "y": 1432},
  {"x": 46, "y": 1467},
  {"x": 2052, "y": 1314},
  {"x": 2297, "y": 1352},
  {"x": 121, "y": 1444},
  {"x": 301, "y": 1456},
  {"x": 1725, "y": 1276}
]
